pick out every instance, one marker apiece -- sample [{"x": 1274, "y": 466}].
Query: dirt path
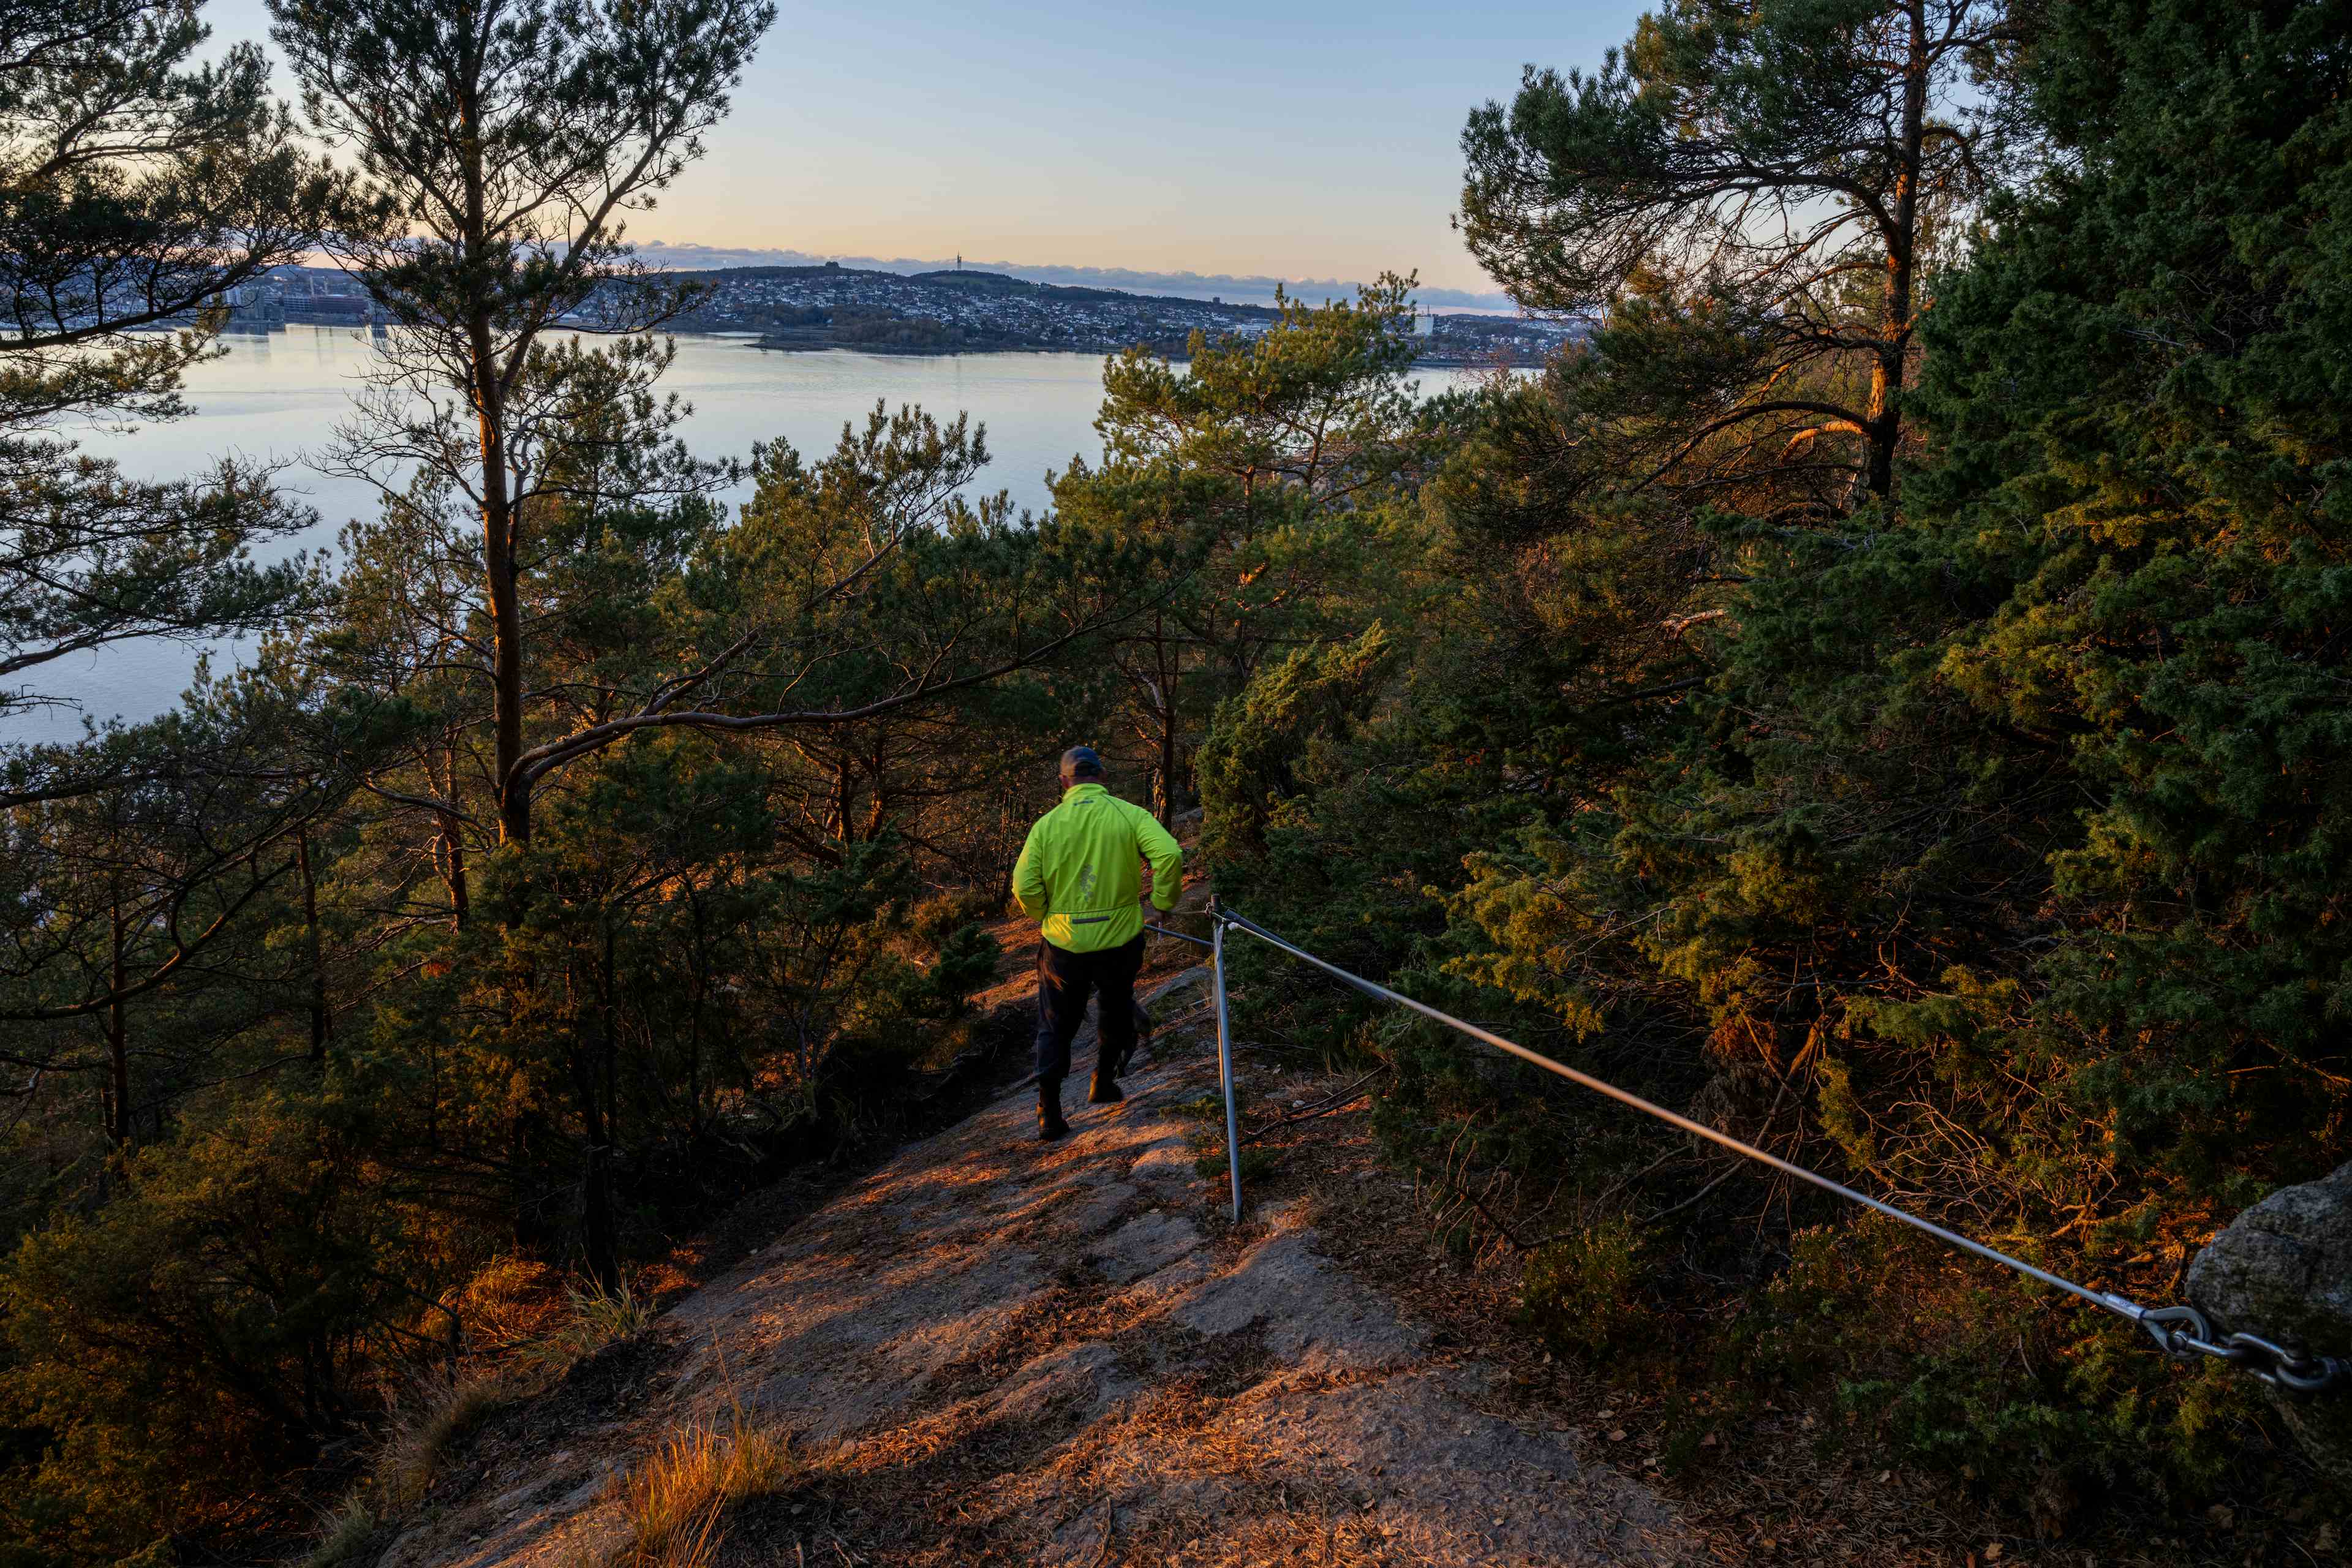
[{"x": 990, "y": 1350}]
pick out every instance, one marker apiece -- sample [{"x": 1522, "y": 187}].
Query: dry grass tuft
[
  {"x": 677, "y": 1500},
  {"x": 596, "y": 1318},
  {"x": 528, "y": 1331},
  {"x": 422, "y": 1439},
  {"x": 344, "y": 1534},
  {"x": 520, "y": 1310},
  {"x": 509, "y": 1302}
]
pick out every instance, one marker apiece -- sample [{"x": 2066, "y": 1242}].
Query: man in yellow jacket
[{"x": 1080, "y": 877}]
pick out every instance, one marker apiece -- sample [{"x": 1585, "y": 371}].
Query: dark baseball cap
[{"x": 1082, "y": 762}]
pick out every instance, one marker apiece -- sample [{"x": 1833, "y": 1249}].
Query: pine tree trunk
[
  {"x": 599, "y": 1236},
  {"x": 598, "y": 1241},
  {"x": 1169, "y": 757},
  {"x": 322, "y": 1020},
  {"x": 1884, "y": 421},
  {"x": 1167, "y": 764},
  {"x": 505, "y": 633},
  {"x": 499, "y": 532},
  {"x": 118, "y": 1041},
  {"x": 460, "y": 902}
]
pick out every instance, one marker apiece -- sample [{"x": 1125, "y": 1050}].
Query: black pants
[{"x": 1064, "y": 981}]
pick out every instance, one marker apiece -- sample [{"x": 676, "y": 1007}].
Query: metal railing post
[{"x": 1225, "y": 1055}]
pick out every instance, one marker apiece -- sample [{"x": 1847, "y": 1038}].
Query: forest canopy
[{"x": 1882, "y": 689}]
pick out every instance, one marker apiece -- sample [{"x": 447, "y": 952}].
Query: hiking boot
[
  {"x": 1050, "y": 1124},
  {"x": 1104, "y": 1091}
]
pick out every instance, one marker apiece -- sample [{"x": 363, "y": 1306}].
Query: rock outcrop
[
  {"x": 990, "y": 1350},
  {"x": 2284, "y": 1270}
]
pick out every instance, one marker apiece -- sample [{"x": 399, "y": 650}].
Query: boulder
[{"x": 2283, "y": 1271}]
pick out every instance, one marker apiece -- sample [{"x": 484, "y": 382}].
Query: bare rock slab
[{"x": 994, "y": 1351}]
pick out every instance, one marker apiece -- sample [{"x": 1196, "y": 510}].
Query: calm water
[{"x": 276, "y": 398}]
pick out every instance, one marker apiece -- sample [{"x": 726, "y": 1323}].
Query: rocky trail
[{"x": 990, "y": 1350}]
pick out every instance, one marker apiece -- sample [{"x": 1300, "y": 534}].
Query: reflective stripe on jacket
[{"x": 1081, "y": 871}]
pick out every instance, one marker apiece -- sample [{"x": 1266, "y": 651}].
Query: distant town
[{"x": 959, "y": 310}]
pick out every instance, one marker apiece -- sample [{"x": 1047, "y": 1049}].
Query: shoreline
[
  {"x": 883, "y": 352},
  {"x": 767, "y": 344}
]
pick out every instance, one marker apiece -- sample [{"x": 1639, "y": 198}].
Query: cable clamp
[
  {"x": 2180, "y": 1332},
  {"x": 2184, "y": 1333}
]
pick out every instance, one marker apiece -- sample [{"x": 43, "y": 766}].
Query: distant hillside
[
  {"x": 975, "y": 311},
  {"x": 950, "y": 313},
  {"x": 1250, "y": 288},
  {"x": 966, "y": 311}
]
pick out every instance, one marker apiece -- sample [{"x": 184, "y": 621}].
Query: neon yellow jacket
[{"x": 1080, "y": 873}]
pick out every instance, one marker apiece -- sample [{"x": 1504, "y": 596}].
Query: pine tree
[
  {"x": 1264, "y": 467},
  {"x": 501, "y": 145},
  {"x": 1753, "y": 191},
  {"x": 136, "y": 187}
]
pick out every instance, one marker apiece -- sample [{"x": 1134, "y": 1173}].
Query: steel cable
[{"x": 2182, "y": 1331}]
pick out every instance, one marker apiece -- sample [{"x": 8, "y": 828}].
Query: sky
[{"x": 1306, "y": 140}]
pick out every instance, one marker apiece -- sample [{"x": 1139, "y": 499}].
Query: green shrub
[
  {"x": 941, "y": 916},
  {"x": 967, "y": 961},
  {"x": 1583, "y": 1291},
  {"x": 172, "y": 1348},
  {"x": 1957, "y": 1366}
]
